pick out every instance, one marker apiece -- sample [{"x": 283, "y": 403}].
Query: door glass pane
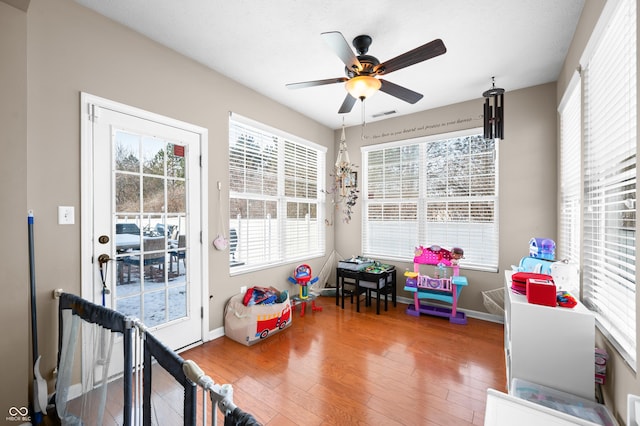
[
  {"x": 153, "y": 156},
  {"x": 153, "y": 194},
  {"x": 127, "y": 152},
  {"x": 129, "y": 305},
  {"x": 127, "y": 192},
  {"x": 150, "y": 228},
  {"x": 175, "y": 160},
  {"x": 177, "y": 302},
  {"x": 178, "y": 254},
  {"x": 128, "y": 234},
  {"x": 155, "y": 308},
  {"x": 127, "y": 165},
  {"x": 128, "y": 241},
  {"x": 176, "y": 196},
  {"x": 153, "y": 225}
]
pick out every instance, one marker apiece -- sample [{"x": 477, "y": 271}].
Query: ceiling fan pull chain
[{"x": 363, "y": 121}]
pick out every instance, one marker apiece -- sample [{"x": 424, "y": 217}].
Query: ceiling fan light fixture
[{"x": 362, "y": 86}]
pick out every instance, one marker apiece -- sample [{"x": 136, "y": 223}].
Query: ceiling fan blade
[
  {"x": 339, "y": 45},
  {"x": 316, "y": 83},
  {"x": 399, "y": 92},
  {"x": 347, "y": 105},
  {"x": 426, "y": 51}
]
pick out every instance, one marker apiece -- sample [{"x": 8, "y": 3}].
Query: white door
[{"x": 143, "y": 208}]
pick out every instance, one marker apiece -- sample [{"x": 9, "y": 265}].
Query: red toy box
[{"x": 541, "y": 292}]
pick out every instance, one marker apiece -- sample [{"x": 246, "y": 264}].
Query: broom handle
[{"x": 32, "y": 277}]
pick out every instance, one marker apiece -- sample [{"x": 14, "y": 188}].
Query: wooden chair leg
[{"x": 386, "y": 296}]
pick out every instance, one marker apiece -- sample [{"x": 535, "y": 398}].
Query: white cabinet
[{"x": 551, "y": 346}]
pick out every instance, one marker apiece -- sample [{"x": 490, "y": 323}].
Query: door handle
[{"x": 103, "y": 258}]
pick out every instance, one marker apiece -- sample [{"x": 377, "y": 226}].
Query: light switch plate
[
  {"x": 66, "y": 215},
  {"x": 633, "y": 410}
]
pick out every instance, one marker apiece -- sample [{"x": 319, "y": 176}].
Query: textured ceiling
[{"x": 266, "y": 44}]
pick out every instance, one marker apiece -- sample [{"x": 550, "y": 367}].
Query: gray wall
[
  {"x": 14, "y": 315},
  {"x": 51, "y": 54},
  {"x": 527, "y": 176}
]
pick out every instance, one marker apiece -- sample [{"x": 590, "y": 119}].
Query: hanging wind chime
[
  {"x": 494, "y": 112},
  {"x": 343, "y": 164},
  {"x": 345, "y": 190}
]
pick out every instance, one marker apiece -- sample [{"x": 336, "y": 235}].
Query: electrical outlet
[
  {"x": 66, "y": 215},
  {"x": 243, "y": 289}
]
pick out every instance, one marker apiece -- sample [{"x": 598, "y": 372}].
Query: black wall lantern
[{"x": 494, "y": 112}]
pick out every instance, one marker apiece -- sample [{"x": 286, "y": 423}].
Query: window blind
[
  {"x": 609, "y": 265},
  {"x": 441, "y": 190},
  {"x": 390, "y": 223},
  {"x": 569, "y": 175},
  {"x": 275, "y": 202}
]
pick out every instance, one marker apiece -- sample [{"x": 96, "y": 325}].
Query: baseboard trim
[{"x": 215, "y": 333}]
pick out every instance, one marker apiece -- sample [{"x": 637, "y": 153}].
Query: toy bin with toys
[{"x": 256, "y": 315}]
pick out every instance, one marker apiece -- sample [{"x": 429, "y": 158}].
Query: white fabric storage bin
[{"x": 250, "y": 324}]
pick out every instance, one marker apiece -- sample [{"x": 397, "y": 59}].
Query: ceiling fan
[{"x": 361, "y": 71}]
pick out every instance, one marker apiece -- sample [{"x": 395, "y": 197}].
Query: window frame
[
  {"x": 570, "y": 173},
  {"x": 279, "y": 195},
  {"x": 609, "y": 295},
  {"x": 420, "y": 203}
]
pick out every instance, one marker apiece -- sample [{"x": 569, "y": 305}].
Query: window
[
  {"x": 609, "y": 207},
  {"x": 569, "y": 177},
  {"x": 276, "y": 207},
  {"x": 439, "y": 190}
]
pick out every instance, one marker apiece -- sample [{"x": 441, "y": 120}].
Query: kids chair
[{"x": 440, "y": 287}]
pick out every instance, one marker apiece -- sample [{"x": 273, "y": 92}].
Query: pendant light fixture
[
  {"x": 362, "y": 86},
  {"x": 494, "y": 112}
]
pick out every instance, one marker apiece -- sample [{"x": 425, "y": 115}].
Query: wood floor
[{"x": 340, "y": 367}]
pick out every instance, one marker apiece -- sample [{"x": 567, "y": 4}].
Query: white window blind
[
  {"x": 275, "y": 203},
  {"x": 609, "y": 264},
  {"x": 441, "y": 190},
  {"x": 570, "y": 160},
  {"x": 390, "y": 223}
]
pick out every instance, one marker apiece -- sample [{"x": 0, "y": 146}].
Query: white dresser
[{"x": 551, "y": 346}]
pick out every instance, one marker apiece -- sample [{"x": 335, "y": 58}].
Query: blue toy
[{"x": 542, "y": 248}]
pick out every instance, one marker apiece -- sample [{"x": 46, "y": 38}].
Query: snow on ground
[{"x": 161, "y": 302}]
